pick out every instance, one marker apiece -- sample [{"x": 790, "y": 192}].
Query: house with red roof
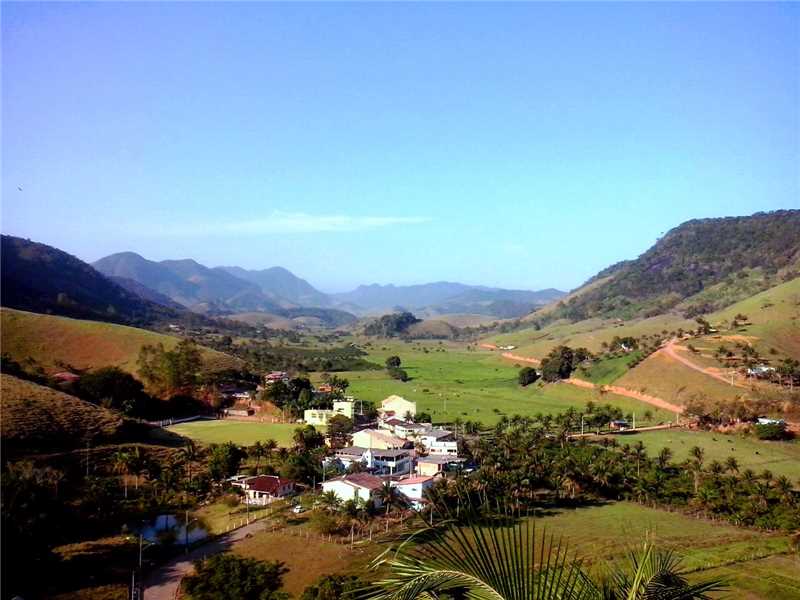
[{"x": 263, "y": 489}]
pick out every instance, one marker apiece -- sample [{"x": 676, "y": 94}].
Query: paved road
[{"x": 162, "y": 584}]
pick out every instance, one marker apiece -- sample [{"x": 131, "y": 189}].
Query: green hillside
[{"x": 53, "y": 342}]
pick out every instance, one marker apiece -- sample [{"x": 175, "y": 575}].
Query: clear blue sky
[{"x": 518, "y": 145}]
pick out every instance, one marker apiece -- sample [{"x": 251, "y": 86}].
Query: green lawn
[
  {"x": 782, "y": 458},
  {"x": 244, "y": 433},
  {"x": 450, "y": 381}
]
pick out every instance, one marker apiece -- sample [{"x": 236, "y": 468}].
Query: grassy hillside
[
  {"x": 56, "y": 341},
  {"x": 244, "y": 433},
  {"x": 37, "y": 417}
]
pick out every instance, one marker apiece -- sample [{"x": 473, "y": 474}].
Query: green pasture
[
  {"x": 449, "y": 381},
  {"x": 782, "y": 458}
]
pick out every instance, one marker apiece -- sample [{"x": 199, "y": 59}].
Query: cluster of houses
[{"x": 408, "y": 456}]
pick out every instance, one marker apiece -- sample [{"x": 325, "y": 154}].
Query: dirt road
[
  {"x": 621, "y": 391},
  {"x": 671, "y": 350}
]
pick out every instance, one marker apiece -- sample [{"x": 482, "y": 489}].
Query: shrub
[
  {"x": 234, "y": 578},
  {"x": 772, "y": 431}
]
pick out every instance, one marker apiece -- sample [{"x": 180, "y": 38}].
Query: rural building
[
  {"x": 350, "y": 455},
  {"x": 404, "y": 429},
  {"x": 377, "y": 438},
  {"x": 439, "y": 441},
  {"x": 619, "y": 424},
  {"x": 388, "y": 462},
  {"x": 396, "y": 406},
  {"x": 263, "y": 489},
  {"x": 274, "y": 376},
  {"x": 357, "y": 486},
  {"x": 414, "y": 488},
  {"x": 435, "y": 464},
  {"x": 315, "y": 416}
]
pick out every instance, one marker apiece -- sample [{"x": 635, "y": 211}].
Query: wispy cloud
[{"x": 281, "y": 222}]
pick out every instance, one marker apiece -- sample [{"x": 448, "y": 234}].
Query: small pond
[{"x": 171, "y": 529}]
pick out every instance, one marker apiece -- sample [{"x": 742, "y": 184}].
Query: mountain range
[{"x": 232, "y": 289}]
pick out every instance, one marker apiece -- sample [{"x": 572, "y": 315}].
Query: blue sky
[{"x": 517, "y": 145}]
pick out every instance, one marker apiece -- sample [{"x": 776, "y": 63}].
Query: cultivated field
[
  {"x": 449, "y": 381},
  {"x": 243, "y": 433},
  {"x": 57, "y": 341},
  {"x": 782, "y": 458}
]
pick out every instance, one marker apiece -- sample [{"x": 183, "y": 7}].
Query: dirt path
[
  {"x": 522, "y": 359},
  {"x": 671, "y": 350},
  {"x": 162, "y": 584},
  {"x": 621, "y": 391}
]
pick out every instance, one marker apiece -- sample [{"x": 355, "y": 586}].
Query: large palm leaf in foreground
[{"x": 512, "y": 562}]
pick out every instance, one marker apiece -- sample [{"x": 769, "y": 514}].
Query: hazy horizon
[{"x": 522, "y": 146}]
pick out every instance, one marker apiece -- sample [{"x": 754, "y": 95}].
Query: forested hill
[
  {"x": 699, "y": 266},
  {"x": 40, "y": 278}
]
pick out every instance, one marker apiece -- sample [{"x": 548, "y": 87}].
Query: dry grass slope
[
  {"x": 51, "y": 341},
  {"x": 38, "y": 417}
]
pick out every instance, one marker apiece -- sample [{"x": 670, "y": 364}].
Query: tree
[
  {"x": 121, "y": 463},
  {"x": 170, "y": 370},
  {"x": 527, "y": 376},
  {"x": 233, "y": 578},
  {"x": 224, "y": 461},
  {"x": 307, "y": 438},
  {"x": 389, "y": 497},
  {"x": 115, "y": 389},
  {"x": 393, "y": 362},
  {"x": 398, "y": 374},
  {"x": 333, "y": 587},
  {"x": 339, "y": 430},
  {"x": 558, "y": 364}
]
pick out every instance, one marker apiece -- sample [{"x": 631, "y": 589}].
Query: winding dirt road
[{"x": 671, "y": 350}]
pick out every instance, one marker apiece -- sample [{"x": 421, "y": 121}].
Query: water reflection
[{"x": 171, "y": 529}]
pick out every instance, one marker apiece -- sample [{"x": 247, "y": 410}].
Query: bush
[
  {"x": 324, "y": 523},
  {"x": 772, "y": 431},
  {"x": 527, "y": 375},
  {"x": 398, "y": 374},
  {"x": 333, "y": 587}
]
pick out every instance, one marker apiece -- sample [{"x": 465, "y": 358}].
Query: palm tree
[
  {"x": 732, "y": 465},
  {"x": 389, "y": 496},
  {"x": 330, "y": 501},
  {"x": 121, "y": 462},
  {"x": 696, "y": 465},
  {"x": 514, "y": 563},
  {"x": 664, "y": 458},
  {"x": 259, "y": 452}
]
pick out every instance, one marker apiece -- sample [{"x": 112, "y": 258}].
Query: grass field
[
  {"x": 243, "y": 433},
  {"x": 306, "y": 559},
  {"x": 782, "y": 458},
  {"x": 55, "y": 341},
  {"x": 603, "y": 533},
  {"x": 608, "y": 370},
  {"x": 450, "y": 381}
]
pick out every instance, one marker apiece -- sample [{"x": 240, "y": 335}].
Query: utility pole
[
  {"x": 141, "y": 542},
  {"x": 634, "y": 420},
  {"x": 186, "y": 533}
]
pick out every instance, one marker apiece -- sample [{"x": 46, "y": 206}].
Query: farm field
[
  {"x": 56, "y": 341},
  {"x": 782, "y": 458},
  {"x": 449, "y": 381},
  {"x": 606, "y": 371},
  {"x": 243, "y": 433},
  {"x": 710, "y": 548},
  {"x": 307, "y": 560}
]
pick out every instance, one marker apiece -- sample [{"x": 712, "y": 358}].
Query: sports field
[
  {"x": 243, "y": 433},
  {"x": 782, "y": 458},
  {"x": 449, "y": 381}
]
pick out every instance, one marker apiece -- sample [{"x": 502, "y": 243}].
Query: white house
[
  {"x": 316, "y": 416},
  {"x": 389, "y": 462},
  {"x": 263, "y": 489},
  {"x": 414, "y": 488},
  {"x": 396, "y": 406},
  {"x": 439, "y": 441},
  {"x": 377, "y": 438},
  {"x": 404, "y": 429},
  {"x": 351, "y": 454},
  {"x": 356, "y": 487}
]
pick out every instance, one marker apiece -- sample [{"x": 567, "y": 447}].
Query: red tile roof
[{"x": 270, "y": 484}]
